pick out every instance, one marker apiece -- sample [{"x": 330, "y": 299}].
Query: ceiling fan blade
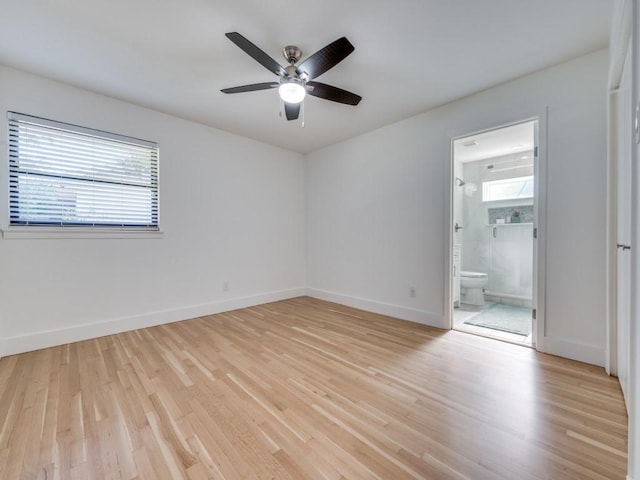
[
  {"x": 325, "y": 58},
  {"x": 250, "y": 88},
  {"x": 335, "y": 94},
  {"x": 292, "y": 110},
  {"x": 257, "y": 54}
]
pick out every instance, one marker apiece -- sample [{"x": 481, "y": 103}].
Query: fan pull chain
[{"x": 303, "y": 109}]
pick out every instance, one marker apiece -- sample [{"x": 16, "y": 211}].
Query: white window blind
[{"x": 66, "y": 175}]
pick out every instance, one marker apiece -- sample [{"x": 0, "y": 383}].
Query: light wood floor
[{"x": 306, "y": 389}]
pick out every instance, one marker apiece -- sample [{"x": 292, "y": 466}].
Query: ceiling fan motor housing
[{"x": 292, "y": 53}]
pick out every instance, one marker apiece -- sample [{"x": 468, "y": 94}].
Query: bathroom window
[{"x": 507, "y": 189}]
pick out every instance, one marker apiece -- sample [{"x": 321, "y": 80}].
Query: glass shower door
[{"x": 511, "y": 263}]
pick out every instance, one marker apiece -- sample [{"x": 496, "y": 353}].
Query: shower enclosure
[{"x": 498, "y": 219}]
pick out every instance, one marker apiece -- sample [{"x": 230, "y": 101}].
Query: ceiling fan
[{"x": 297, "y": 80}]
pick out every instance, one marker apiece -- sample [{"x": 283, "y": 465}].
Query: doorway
[{"x": 493, "y": 225}]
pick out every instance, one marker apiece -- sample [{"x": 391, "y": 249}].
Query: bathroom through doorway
[{"x": 493, "y": 233}]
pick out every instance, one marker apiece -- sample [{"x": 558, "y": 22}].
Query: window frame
[
  {"x": 96, "y": 229},
  {"x": 486, "y": 186}
]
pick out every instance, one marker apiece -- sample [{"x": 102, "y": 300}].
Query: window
[
  {"x": 65, "y": 175},
  {"x": 508, "y": 189}
]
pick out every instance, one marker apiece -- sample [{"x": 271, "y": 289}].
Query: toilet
[{"x": 472, "y": 285}]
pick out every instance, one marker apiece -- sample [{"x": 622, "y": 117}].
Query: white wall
[
  {"x": 232, "y": 209},
  {"x": 377, "y": 205}
]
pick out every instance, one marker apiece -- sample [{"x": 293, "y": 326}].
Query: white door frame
[{"x": 539, "y": 245}]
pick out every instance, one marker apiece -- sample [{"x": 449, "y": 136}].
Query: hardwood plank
[{"x": 306, "y": 389}]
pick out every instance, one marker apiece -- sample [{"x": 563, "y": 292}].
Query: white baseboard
[
  {"x": 398, "y": 311},
  {"x": 574, "y": 351},
  {"x": 50, "y": 338}
]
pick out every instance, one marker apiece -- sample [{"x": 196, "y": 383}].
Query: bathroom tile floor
[{"x": 466, "y": 312}]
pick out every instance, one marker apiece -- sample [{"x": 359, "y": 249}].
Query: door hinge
[
  {"x": 534, "y": 313},
  {"x": 535, "y": 232},
  {"x": 535, "y": 152}
]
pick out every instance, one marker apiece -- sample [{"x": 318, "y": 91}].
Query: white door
[{"x": 624, "y": 176}]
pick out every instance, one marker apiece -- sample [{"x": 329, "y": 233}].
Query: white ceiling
[
  {"x": 410, "y": 55},
  {"x": 495, "y": 143}
]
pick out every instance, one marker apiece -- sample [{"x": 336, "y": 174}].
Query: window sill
[{"x": 44, "y": 233}]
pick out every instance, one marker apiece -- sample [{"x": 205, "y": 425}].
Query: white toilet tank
[
  {"x": 465, "y": 273},
  {"x": 473, "y": 277}
]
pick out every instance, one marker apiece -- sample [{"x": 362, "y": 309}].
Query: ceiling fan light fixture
[
  {"x": 292, "y": 90},
  {"x": 296, "y": 80}
]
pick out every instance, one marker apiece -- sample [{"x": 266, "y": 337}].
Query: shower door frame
[{"x": 539, "y": 222}]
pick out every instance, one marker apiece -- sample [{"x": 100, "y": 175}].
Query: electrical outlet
[
  {"x": 413, "y": 292},
  {"x": 225, "y": 286}
]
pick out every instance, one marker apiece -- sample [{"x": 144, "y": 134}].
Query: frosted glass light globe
[{"x": 292, "y": 91}]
